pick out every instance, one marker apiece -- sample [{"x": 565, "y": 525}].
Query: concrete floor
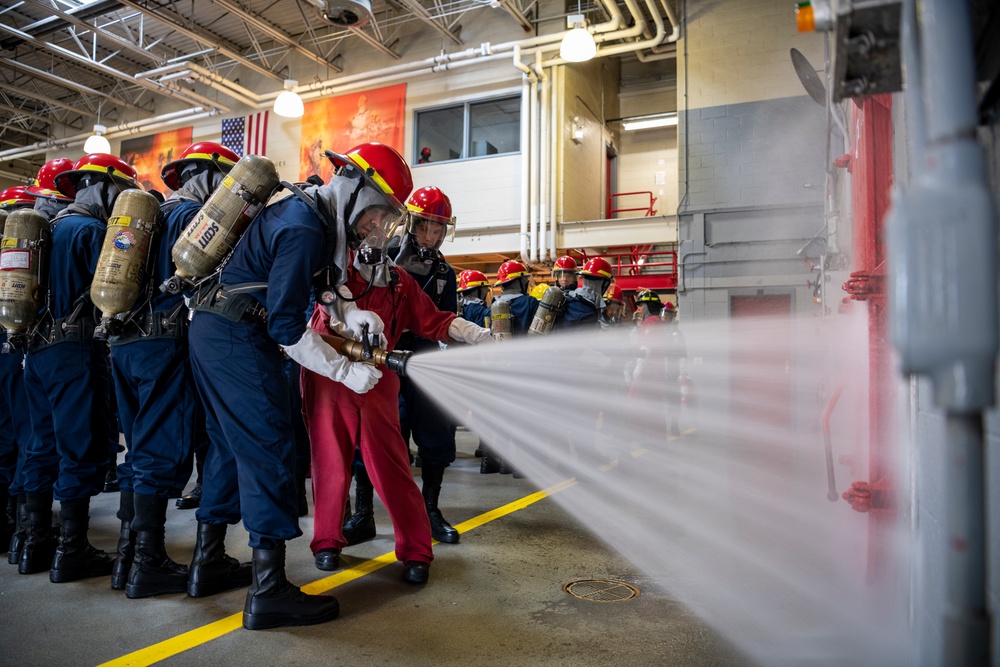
[{"x": 494, "y": 599}]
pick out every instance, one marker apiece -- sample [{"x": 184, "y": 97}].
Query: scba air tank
[
  {"x": 220, "y": 223},
  {"x": 121, "y": 268},
  {"x": 500, "y": 320},
  {"x": 550, "y": 307},
  {"x": 23, "y": 269}
]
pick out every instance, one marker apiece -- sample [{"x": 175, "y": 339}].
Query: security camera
[{"x": 345, "y": 13}]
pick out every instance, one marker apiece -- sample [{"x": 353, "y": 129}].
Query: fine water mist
[{"x": 698, "y": 454}]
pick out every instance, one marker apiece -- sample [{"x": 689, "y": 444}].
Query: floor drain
[{"x": 601, "y": 590}]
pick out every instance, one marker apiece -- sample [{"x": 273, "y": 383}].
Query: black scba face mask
[{"x": 426, "y": 255}]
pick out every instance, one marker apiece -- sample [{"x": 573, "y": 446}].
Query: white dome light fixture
[
  {"x": 578, "y": 45},
  {"x": 97, "y": 142},
  {"x": 288, "y": 103}
]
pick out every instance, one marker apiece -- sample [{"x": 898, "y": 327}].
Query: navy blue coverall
[
  {"x": 579, "y": 313},
  {"x": 67, "y": 380},
  {"x": 432, "y": 430},
  {"x": 250, "y": 467},
  {"x": 153, "y": 380}
]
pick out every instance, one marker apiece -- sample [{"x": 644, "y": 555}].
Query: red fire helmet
[
  {"x": 564, "y": 263},
  {"x": 429, "y": 202},
  {"x": 470, "y": 278},
  {"x": 614, "y": 293},
  {"x": 382, "y": 166},
  {"x": 597, "y": 267},
  {"x": 202, "y": 151},
  {"x": 16, "y": 197},
  {"x": 108, "y": 166},
  {"x": 510, "y": 270},
  {"x": 45, "y": 182}
]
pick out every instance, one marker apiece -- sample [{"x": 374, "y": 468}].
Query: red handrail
[{"x": 650, "y": 211}]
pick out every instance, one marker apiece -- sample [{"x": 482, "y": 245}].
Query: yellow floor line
[{"x": 206, "y": 633}]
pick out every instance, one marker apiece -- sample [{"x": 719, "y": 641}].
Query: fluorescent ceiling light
[
  {"x": 648, "y": 122},
  {"x": 288, "y": 103},
  {"x": 578, "y": 44},
  {"x": 97, "y": 143}
]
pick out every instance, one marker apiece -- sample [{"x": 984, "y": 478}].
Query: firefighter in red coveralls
[{"x": 338, "y": 419}]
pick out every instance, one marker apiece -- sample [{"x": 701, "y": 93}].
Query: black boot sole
[
  {"x": 154, "y": 588},
  {"x": 204, "y": 589},
  {"x": 267, "y": 621},
  {"x": 64, "y": 576}
]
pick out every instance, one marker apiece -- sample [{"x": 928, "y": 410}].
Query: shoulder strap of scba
[{"x": 325, "y": 278}]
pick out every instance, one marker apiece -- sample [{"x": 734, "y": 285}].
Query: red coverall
[{"x": 338, "y": 419}]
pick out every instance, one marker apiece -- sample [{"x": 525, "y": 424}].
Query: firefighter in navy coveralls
[
  {"x": 241, "y": 324},
  {"x": 512, "y": 277},
  {"x": 155, "y": 389},
  {"x": 564, "y": 273},
  {"x": 585, "y": 304},
  {"x": 65, "y": 372},
  {"x": 15, "y": 420},
  {"x": 473, "y": 290},
  {"x": 15, "y": 423}
]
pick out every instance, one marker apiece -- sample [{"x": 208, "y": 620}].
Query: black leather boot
[
  {"x": 361, "y": 526},
  {"x": 39, "y": 543},
  {"x": 126, "y": 541},
  {"x": 416, "y": 572},
  {"x": 212, "y": 570},
  {"x": 123, "y": 557},
  {"x": 273, "y": 602},
  {"x": 441, "y": 530},
  {"x": 153, "y": 572},
  {"x": 111, "y": 479},
  {"x": 75, "y": 557},
  {"x": 20, "y": 531},
  {"x": 192, "y": 500},
  {"x": 8, "y": 522}
]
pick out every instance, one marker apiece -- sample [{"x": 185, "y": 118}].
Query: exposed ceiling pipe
[
  {"x": 134, "y": 127},
  {"x": 631, "y": 47},
  {"x": 65, "y": 83},
  {"x": 527, "y": 90},
  {"x": 544, "y": 128}
]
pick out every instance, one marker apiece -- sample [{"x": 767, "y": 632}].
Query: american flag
[{"x": 246, "y": 135}]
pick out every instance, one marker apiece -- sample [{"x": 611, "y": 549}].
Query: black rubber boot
[
  {"x": 273, "y": 602},
  {"x": 39, "y": 543},
  {"x": 361, "y": 526},
  {"x": 75, "y": 558},
  {"x": 192, "y": 500},
  {"x": 111, "y": 480},
  {"x": 126, "y": 541},
  {"x": 153, "y": 572},
  {"x": 441, "y": 530},
  {"x": 416, "y": 572},
  {"x": 212, "y": 570},
  {"x": 489, "y": 464},
  {"x": 20, "y": 531}
]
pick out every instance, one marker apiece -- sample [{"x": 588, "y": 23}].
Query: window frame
[{"x": 466, "y": 106}]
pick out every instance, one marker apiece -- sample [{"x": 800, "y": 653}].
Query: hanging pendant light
[
  {"x": 578, "y": 45},
  {"x": 288, "y": 103},
  {"x": 97, "y": 142}
]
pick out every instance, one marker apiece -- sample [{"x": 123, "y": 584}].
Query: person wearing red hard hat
[
  {"x": 614, "y": 307},
  {"x": 16, "y": 197},
  {"x": 513, "y": 278},
  {"x": 473, "y": 293},
  {"x": 48, "y": 200},
  {"x": 564, "y": 272},
  {"x": 154, "y": 385},
  {"x": 244, "y": 317},
  {"x": 66, "y": 374},
  {"x": 585, "y": 304}
]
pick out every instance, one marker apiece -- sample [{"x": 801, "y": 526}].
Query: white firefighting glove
[
  {"x": 347, "y": 320},
  {"x": 312, "y": 352},
  {"x": 465, "y": 331}
]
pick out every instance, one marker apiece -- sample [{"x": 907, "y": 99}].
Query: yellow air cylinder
[
  {"x": 220, "y": 223},
  {"x": 121, "y": 268},
  {"x": 23, "y": 270},
  {"x": 500, "y": 320},
  {"x": 550, "y": 307}
]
